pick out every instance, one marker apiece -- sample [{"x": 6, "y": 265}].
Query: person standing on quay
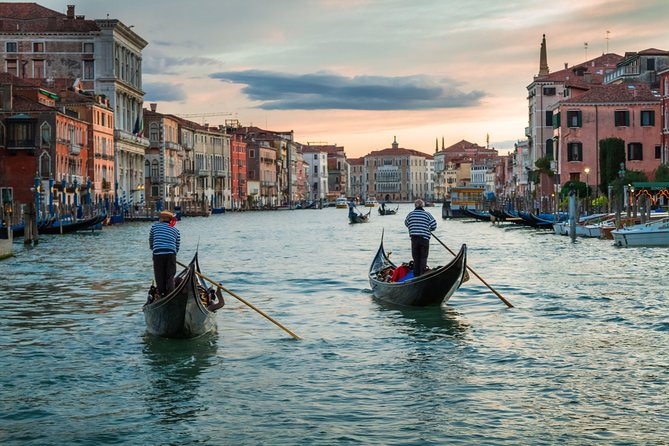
[
  {"x": 164, "y": 241},
  {"x": 421, "y": 224}
]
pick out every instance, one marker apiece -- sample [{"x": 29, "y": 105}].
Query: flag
[{"x": 139, "y": 127}]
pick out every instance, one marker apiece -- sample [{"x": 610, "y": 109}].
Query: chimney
[
  {"x": 70, "y": 11},
  {"x": 566, "y": 65},
  {"x": 153, "y": 106}
]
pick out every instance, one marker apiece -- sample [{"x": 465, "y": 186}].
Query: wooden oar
[
  {"x": 243, "y": 301},
  {"x": 508, "y": 304}
]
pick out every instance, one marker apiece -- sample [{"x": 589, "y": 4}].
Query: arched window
[
  {"x": 154, "y": 169},
  {"x": 154, "y": 134},
  {"x": 147, "y": 168},
  {"x": 45, "y": 135}
]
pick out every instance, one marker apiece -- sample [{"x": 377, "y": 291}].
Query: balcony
[
  {"x": 173, "y": 146},
  {"x": 528, "y": 132},
  {"x": 268, "y": 183},
  {"x": 219, "y": 173},
  {"x": 122, "y": 135},
  {"x": 188, "y": 172},
  {"x": 172, "y": 180},
  {"x": 75, "y": 149},
  {"x": 203, "y": 172},
  {"x": 22, "y": 144}
]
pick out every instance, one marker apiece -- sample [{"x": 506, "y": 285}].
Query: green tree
[
  {"x": 662, "y": 173},
  {"x": 611, "y": 154},
  {"x": 579, "y": 187},
  {"x": 543, "y": 165}
]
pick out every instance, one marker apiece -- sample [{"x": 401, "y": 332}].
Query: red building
[
  {"x": 624, "y": 111},
  {"x": 238, "y": 171},
  {"x": 664, "y": 97}
]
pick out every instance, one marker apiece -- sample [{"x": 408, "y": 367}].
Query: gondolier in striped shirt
[
  {"x": 421, "y": 224},
  {"x": 164, "y": 240}
]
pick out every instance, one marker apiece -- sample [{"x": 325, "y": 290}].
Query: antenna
[
  {"x": 607, "y": 41},
  {"x": 585, "y": 45}
]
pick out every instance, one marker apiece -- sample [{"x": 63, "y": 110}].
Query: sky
[{"x": 359, "y": 73}]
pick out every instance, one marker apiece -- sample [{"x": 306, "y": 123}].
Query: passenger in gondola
[
  {"x": 164, "y": 241},
  {"x": 420, "y": 224}
]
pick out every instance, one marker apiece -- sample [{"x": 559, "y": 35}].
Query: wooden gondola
[
  {"x": 387, "y": 211},
  {"x": 65, "y": 228},
  {"x": 181, "y": 314},
  {"x": 432, "y": 288},
  {"x": 360, "y": 218},
  {"x": 478, "y": 215}
]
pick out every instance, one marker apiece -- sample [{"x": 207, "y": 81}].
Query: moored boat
[
  {"x": 182, "y": 313},
  {"x": 61, "y": 227},
  {"x": 654, "y": 233},
  {"x": 432, "y": 288}
]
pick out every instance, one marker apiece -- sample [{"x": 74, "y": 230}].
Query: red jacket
[{"x": 399, "y": 272}]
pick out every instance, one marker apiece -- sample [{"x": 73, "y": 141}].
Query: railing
[
  {"x": 621, "y": 72},
  {"x": 219, "y": 173},
  {"x": 203, "y": 172},
  {"x": 21, "y": 144},
  {"x": 172, "y": 145},
  {"x": 171, "y": 180},
  {"x": 122, "y": 135},
  {"x": 75, "y": 149}
]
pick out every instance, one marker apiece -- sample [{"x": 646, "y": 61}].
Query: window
[
  {"x": 658, "y": 152},
  {"x": 89, "y": 69},
  {"x": 634, "y": 151},
  {"x": 549, "y": 91},
  {"x": 154, "y": 133},
  {"x": 315, "y": 170},
  {"x": 574, "y": 118},
  {"x": 12, "y": 66},
  {"x": 38, "y": 47},
  {"x": 315, "y": 156},
  {"x": 575, "y": 151},
  {"x": 11, "y": 47},
  {"x": 647, "y": 117},
  {"x": 556, "y": 120},
  {"x": 650, "y": 64},
  {"x": 622, "y": 118},
  {"x": 549, "y": 149},
  {"x": 549, "y": 118},
  {"x": 89, "y": 47},
  {"x": 45, "y": 131},
  {"x": 252, "y": 153},
  {"x": 155, "y": 171}
]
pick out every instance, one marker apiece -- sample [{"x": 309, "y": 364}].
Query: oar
[
  {"x": 508, "y": 304},
  {"x": 243, "y": 301}
]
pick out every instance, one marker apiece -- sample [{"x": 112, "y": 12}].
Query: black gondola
[
  {"x": 431, "y": 288},
  {"x": 386, "y": 211},
  {"x": 65, "y": 228},
  {"x": 181, "y": 314},
  {"x": 360, "y": 218},
  {"x": 478, "y": 215}
]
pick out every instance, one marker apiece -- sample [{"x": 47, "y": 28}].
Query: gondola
[
  {"x": 387, "y": 211},
  {"x": 65, "y": 228},
  {"x": 181, "y": 314},
  {"x": 478, "y": 215},
  {"x": 432, "y": 288},
  {"x": 360, "y": 218}
]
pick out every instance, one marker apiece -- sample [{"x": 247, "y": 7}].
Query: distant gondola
[
  {"x": 181, "y": 314},
  {"x": 434, "y": 287},
  {"x": 386, "y": 211},
  {"x": 478, "y": 215}
]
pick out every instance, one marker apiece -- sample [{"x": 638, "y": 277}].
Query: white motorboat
[{"x": 653, "y": 233}]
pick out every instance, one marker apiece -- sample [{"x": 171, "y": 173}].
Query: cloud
[
  {"x": 162, "y": 91},
  {"x": 325, "y": 91},
  {"x": 156, "y": 62}
]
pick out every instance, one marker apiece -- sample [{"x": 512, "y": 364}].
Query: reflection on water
[
  {"x": 426, "y": 321},
  {"x": 177, "y": 371}
]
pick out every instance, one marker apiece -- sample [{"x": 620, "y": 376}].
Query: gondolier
[
  {"x": 421, "y": 224},
  {"x": 164, "y": 240}
]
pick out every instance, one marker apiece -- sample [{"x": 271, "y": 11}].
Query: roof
[
  {"x": 31, "y": 17},
  {"x": 400, "y": 151},
  {"x": 615, "y": 93},
  {"x": 356, "y": 161},
  {"x": 593, "y": 71}
]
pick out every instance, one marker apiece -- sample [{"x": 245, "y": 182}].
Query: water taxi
[
  {"x": 341, "y": 203},
  {"x": 371, "y": 202}
]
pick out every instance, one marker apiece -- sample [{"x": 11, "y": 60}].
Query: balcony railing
[
  {"x": 75, "y": 149},
  {"x": 122, "y": 135},
  {"x": 203, "y": 172},
  {"x": 171, "y": 180},
  {"x": 172, "y": 146},
  {"x": 219, "y": 173},
  {"x": 21, "y": 144}
]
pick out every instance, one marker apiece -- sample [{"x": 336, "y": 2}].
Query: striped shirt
[
  {"x": 164, "y": 239},
  {"x": 420, "y": 223}
]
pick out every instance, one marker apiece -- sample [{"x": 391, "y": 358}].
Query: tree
[
  {"x": 543, "y": 165},
  {"x": 662, "y": 173},
  {"x": 611, "y": 155},
  {"x": 580, "y": 188}
]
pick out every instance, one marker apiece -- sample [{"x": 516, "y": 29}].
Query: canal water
[{"x": 582, "y": 358}]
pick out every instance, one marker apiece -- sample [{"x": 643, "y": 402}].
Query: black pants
[
  {"x": 420, "y": 248},
  {"x": 164, "y": 269}
]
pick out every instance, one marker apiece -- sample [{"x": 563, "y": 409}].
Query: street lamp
[{"x": 587, "y": 184}]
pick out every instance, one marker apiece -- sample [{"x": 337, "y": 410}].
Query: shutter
[
  {"x": 580, "y": 152},
  {"x": 579, "y": 119},
  {"x": 556, "y": 120},
  {"x": 627, "y": 118}
]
